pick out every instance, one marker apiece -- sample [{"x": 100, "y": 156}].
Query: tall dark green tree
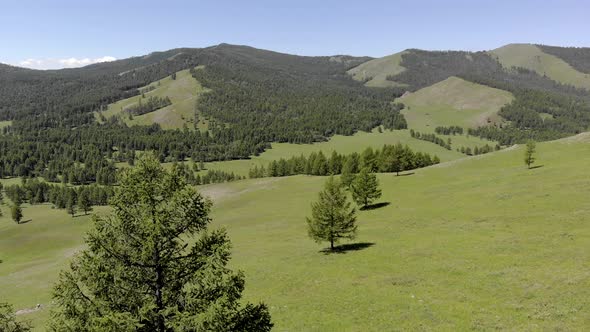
[
  {"x": 529, "y": 153},
  {"x": 17, "y": 213},
  {"x": 84, "y": 203},
  {"x": 153, "y": 266},
  {"x": 71, "y": 203},
  {"x": 332, "y": 217},
  {"x": 365, "y": 188}
]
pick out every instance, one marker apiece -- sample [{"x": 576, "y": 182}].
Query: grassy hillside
[
  {"x": 454, "y": 102},
  {"x": 479, "y": 243},
  {"x": 375, "y": 71},
  {"x": 533, "y": 58},
  {"x": 183, "y": 92}
]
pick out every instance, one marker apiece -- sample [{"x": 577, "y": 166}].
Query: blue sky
[{"x": 59, "y": 33}]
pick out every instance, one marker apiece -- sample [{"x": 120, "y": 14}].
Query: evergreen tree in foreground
[
  {"x": 529, "y": 153},
  {"x": 365, "y": 188},
  {"x": 332, "y": 217},
  {"x": 153, "y": 266}
]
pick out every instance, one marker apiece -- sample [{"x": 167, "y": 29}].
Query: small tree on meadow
[
  {"x": 332, "y": 217},
  {"x": 365, "y": 188},
  {"x": 529, "y": 153},
  {"x": 17, "y": 213}
]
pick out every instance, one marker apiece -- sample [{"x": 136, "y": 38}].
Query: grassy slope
[
  {"x": 479, "y": 243},
  {"x": 531, "y": 57},
  {"x": 453, "y": 102},
  {"x": 378, "y": 69},
  {"x": 183, "y": 92}
]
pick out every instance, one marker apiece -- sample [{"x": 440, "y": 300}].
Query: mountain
[{"x": 533, "y": 57}]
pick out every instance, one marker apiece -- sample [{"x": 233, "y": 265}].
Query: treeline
[
  {"x": 451, "y": 130},
  {"x": 477, "y": 150},
  {"x": 153, "y": 103},
  {"x": 37, "y": 192},
  {"x": 390, "y": 158},
  {"x": 431, "y": 138},
  {"x": 191, "y": 174}
]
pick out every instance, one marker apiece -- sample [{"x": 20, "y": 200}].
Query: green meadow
[
  {"x": 478, "y": 243},
  {"x": 183, "y": 92},
  {"x": 375, "y": 71},
  {"x": 532, "y": 57}
]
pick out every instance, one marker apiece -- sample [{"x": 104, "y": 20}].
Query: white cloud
[{"x": 50, "y": 63}]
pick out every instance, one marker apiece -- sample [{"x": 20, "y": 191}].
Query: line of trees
[
  {"x": 153, "y": 103},
  {"x": 477, "y": 150},
  {"x": 451, "y": 130},
  {"x": 390, "y": 158},
  {"x": 431, "y": 138}
]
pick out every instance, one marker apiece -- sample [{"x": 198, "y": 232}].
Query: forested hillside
[
  {"x": 542, "y": 109},
  {"x": 253, "y": 94}
]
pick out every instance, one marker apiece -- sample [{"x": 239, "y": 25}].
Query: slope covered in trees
[
  {"x": 535, "y": 58},
  {"x": 257, "y": 97}
]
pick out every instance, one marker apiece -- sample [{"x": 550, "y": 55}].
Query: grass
[
  {"x": 34, "y": 252},
  {"x": 375, "y": 71},
  {"x": 4, "y": 124},
  {"x": 454, "y": 102},
  {"x": 533, "y": 58},
  {"x": 474, "y": 244},
  {"x": 183, "y": 92}
]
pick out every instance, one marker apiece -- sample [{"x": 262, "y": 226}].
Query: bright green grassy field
[
  {"x": 5, "y": 124},
  {"x": 378, "y": 70},
  {"x": 183, "y": 92},
  {"x": 453, "y": 102},
  {"x": 478, "y": 243},
  {"x": 531, "y": 57}
]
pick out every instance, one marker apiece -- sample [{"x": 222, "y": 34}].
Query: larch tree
[
  {"x": 153, "y": 265},
  {"x": 348, "y": 172},
  {"x": 332, "y": 217},
  {"x": 365, "y": 188},
  {"x": 17, "y": 213},
  {"x": 84, "y": 203},
  {"x": 529, "y": 153}
]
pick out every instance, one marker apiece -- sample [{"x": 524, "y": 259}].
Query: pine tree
[
  {"x": 152, "y": 265},
  {"x": 347, "y": 172},
  {"x": 529, "y": 153},
  {"x": 71, "y": 202},
  {"x": 84, "y": 203},
  {"x": 8, "y": 322},
  {"x": 332, "y": 218},
  {"x": 365, "y": 188},
  {"x": 17, "y": 213}
]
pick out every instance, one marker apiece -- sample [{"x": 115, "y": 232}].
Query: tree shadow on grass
[
  {"x": 25, "y": 221},
  {"x": 538, "y": 166},
  {"x": 405, "y": 174},
  {"x": 345, "y": 248},
  {"x": 375, "y": 206}
]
